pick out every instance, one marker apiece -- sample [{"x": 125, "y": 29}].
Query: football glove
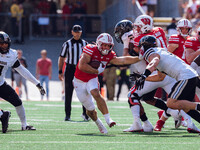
[
  {"x": 139, "y": 83},
  {"x": 101, "y": 68},
  {"x": 134, "y": 76},
  {"x": 41, "y": 89}
]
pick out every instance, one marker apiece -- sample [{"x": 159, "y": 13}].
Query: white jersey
[
  {"x": 170, "y": 64},
  {"x": 6, "y": 60}
]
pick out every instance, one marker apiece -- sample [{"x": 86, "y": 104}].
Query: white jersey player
[
  {"x": 8, "y": 58},
  {"x": 182, "y": 94}
]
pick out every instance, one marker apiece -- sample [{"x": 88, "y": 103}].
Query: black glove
[
  {"x": 139, "y": 83},
  {"x": 134, "y": 76},
  {"x": 41, "y": 89}
]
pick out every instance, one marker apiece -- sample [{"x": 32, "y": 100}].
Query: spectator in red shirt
[{"x": 44, "y": 70}]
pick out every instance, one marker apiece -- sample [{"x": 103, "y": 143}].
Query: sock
[
  {"x": 143, "y": 117},
  {"x": 136, "y": 112},
  {"x": 107, "y": 117},
  {"x": 166, "y": 115},
  {"x": 160, "y": 104},
  {"x": 195, "y": 115},
  {"x": 98, "y": 121},
  {"x": 173, "y": 113},
  {"x": 21, "y": 113},
  {"x": 197, "y": 107},
  {"x": 1, "y": 113}
]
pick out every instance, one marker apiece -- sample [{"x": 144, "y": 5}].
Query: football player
[
  {"x": 123, "y": 29},
  {"x": 4, "y": 118},
  {"x": 86, "y": 81},
  {"x": 8, "y": 58},
  {"x": 177, "y": 41},
  {"x": 182, "y": 93}
]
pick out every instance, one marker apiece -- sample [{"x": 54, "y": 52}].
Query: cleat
[
  {"x": 28, "y": 128},
  {"x": 136, "y": 127},
  {"x": 159, "y": 125},
  {"x": 67, "y": 119},
  {"x": 132, "y": 130},
  {"x": 193, "y": 129},
  {"x": 111, "y": 123},
  {"x": 147, "y": 127},
  {"x": 4, "y": 120},
  {"x": 102, "y": 128},
  {"x": 85, "y": 117},
  {"x": 178, "y": 122},
  {"x": 183, "y": 123}
]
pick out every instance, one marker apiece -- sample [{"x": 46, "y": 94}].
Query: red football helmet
[
  {"x": 106, "y": 39},
  {"x": 184, "y": 23},
  {"x": 143, "y": 24}
]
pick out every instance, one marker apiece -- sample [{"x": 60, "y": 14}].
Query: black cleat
[
  {"x": 4, "y": 120},
  {"x": 28, "y": 128},
  {"x": 67, "y": 119}
]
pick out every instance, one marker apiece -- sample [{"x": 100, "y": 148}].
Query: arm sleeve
[{"x": 26, "y": 74}]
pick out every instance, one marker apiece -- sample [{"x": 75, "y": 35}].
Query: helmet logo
[
  {"x": 146, "y": 21},
  {"x": 109, "y": 39},
  {"x": 185, "y": 23}
]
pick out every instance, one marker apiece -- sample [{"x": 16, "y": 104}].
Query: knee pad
[{"x": 133, "y": 100}]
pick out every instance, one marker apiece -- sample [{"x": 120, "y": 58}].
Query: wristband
[
  {"x": 60, "y": 71},
  {"x": 147, "y": 72}
]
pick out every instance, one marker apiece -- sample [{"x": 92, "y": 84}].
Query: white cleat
[
  {"x": 193, "y": 129},
  {"x": 147, "y": 127},
  {"x": 101, "y": 127},
  {"x": 136, "y": 127},
  {"x": 183, "y": 123},
  {"x": 177, "y": 118},
  {"x": 111, "y": 123}
]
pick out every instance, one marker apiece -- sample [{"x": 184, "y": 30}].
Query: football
[{"x": 95, "y": 64}]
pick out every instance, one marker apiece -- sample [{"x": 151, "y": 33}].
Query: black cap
[{"x": 77, "y": 28}]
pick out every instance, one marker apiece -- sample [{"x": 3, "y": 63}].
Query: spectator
[
  {"x": 152, "y": 7},
  {"x": 18, "y": 78},
  {"x": 53, "y": 11},
  {"x": 123, "y": 76},
  {"x": 171, "y": 29},
  {"x": 72, "y": 50},
  {"x": 109, "y": 76},
  {"x": 28, "y": 10},
  {"x": 14, "y": 9},
  {"x": 44, "y": 71},
  {"x": 66, "y": 10}
]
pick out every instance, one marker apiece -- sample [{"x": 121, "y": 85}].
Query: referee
[{"x": 71, "y": 50}]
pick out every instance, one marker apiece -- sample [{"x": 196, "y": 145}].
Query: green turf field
[{"x": 53, "y": 133}]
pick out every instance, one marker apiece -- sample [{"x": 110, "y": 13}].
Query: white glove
[
  {"x": 101, "y": 68},
  {"x": 126, "y": 38}
]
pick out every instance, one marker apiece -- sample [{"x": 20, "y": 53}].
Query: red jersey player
[
  {"x": 86, "y": 81},
  {"x": 177, "y": 42}
]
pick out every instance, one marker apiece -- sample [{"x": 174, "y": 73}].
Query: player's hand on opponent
[
  {"x": 139, "y": 83},
  {"x": 101, "y": 68},
  {"x": 126, "y": 38},
  {"x": 41, "y": 89}
]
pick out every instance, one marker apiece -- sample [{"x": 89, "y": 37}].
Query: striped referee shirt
[{"x": 72, "y": 50}]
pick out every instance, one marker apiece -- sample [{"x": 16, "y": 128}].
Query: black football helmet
[
  {"x": 4, "y": 38},
  {"x": 122, "y": 27},
  {"x": 147, "y": 42}
]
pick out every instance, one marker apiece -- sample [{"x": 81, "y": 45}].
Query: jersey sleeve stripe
[
  {"x": 148, "y": 53},
  {"x": 87, "y": 52}
]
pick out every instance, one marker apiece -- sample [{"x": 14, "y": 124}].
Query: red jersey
[
  {"x": 158, "y": 33},
  {"x": 43, "y": 65},
  {"x": 180, "y": 51},
  {"x": 95, "y": 54},
  {"x": 192, "y": 43}
]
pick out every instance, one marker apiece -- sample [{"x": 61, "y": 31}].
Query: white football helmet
[
  {"x": 106, "y": 39},
  {"x": 144, "y": 22},
  {"x": 184, "y": 23}
]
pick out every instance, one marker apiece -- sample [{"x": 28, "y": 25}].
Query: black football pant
[
  {"x": 69, "y": 88},
  {"x": 9, "y": 94}
]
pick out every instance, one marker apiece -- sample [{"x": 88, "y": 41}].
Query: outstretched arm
[{"x": 124, "y": 60}]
